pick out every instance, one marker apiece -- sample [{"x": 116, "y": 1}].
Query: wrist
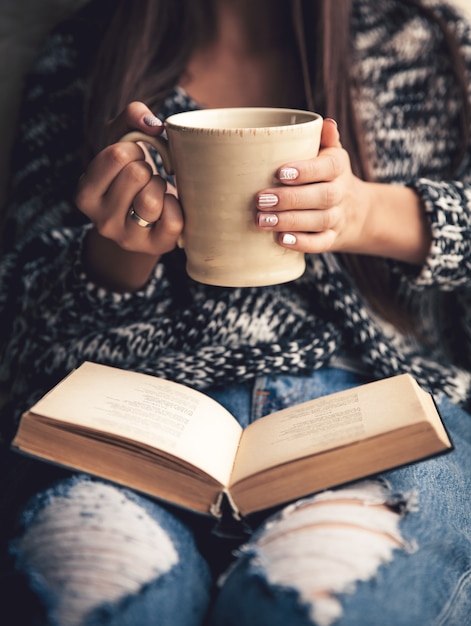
[
  {"x": 114, "y": 268},
  {"x": 396, "y": 226}
]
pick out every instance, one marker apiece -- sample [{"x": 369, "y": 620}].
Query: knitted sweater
[{"x": 53, "y": 317}]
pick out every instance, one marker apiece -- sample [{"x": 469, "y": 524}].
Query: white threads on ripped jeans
[
  {"x": 323, "y": 545},
  {"x": 94, "y": 545}
]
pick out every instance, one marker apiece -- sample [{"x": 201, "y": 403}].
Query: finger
[
  {"x": 136, "y": 187},
  {"x": 115, "y": 220},
  {"x": 319, "y": 196},
  {"x": 158, "y": 238},
  {"x": 327, "y": 165},
  {"x": 102, "y": 172},
  {"x": 110, "y": 216},
  {"x": 148, "y": 202},
  {"x": 310, "y": 243},
  {"x": 136, "y": 116},
  {"x": 330, "y": 136},
  {"x": 300, "y": 221},
  {"x": 165, "y": 233}
]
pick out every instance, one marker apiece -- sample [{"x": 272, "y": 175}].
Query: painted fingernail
[
  {"x": 288, "y": 173},
  {"x": 267, "y": 219},
  {"x": 152, "y": 120},
  {"x": 289, "y": 239},
  {"x": 267, "y": 200}
]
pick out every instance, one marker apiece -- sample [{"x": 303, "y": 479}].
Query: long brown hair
[
  {"x": 146, "y": 50},
  {"x": 148, "y": 43},
  {"x": 142, "y": 56}
]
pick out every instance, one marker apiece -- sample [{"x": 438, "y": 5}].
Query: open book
[{"x": 175, "y": 443}]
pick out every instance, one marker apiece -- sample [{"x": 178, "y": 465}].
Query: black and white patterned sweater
[{"x": 52, "y": 317}]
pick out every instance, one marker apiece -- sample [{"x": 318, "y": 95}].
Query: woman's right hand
[{"x": 120, "y": 253}]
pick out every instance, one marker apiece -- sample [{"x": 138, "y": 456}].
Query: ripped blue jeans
[{"x": 394, "y": 550}]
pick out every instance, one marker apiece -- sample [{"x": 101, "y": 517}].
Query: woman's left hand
[{"x": 321, "y": 206}]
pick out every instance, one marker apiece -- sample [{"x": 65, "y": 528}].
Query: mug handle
[
  {"x": 162, "y": 147},
  {"x": 159, "y": 143}
]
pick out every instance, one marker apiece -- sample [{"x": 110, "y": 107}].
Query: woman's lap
[
  {"x": 390, "y": 552},
  {"x": 96, "y": 553},
  {"x": 425, "y": 578}
]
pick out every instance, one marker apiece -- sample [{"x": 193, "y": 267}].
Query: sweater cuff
[
  {"x": 103, "y": 301},
  {"x": 448, "y": 264}
]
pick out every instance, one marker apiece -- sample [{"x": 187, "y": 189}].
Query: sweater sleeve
[
  {"x": 46, "y": 159},
  {"x": 412, "y": 106},
  {"x": 447, "y": 201},
  {"x": 51, "y": 314},
  {"x": 448, "y": 207},
  {"x": 46, "y": 299}
]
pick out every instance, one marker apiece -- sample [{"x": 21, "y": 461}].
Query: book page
[
  {"x": 165, "y": 415},
  {"x": 329, "y": 422}
]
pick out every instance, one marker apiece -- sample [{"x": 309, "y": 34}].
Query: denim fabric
[
  {"x": 425, "y": 581},
  {"x": 100, "y": 554},
  {"x": 394, "y": 550}
]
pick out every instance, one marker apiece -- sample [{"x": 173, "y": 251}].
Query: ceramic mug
[{"x": 221, "y": 158}]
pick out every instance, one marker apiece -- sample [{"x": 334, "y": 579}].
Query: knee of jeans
[
  {"x": 322, "y": 546},
  {"x": 88, "y": 544}
]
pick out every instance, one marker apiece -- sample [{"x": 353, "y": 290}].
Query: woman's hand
[
  {"x": 321, "y": 206},
  {"x": 120, "y": 253}
]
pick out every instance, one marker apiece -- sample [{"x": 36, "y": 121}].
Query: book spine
[
  {"x": 235, "y": 511},
  {"x": 230, "y": 524},
  {"x": 216, "y": 508}
]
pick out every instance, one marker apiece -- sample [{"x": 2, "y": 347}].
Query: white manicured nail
[
  {"x": 152, "y": 120},
  {"x": 289, "y": 239},
  {"x": 288, "y": 173},
  {"x": 267, "y": 200},
  {"x": 267, "y": 219}
]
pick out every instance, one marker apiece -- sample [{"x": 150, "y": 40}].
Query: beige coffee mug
[{"x": 221, "y": 158}]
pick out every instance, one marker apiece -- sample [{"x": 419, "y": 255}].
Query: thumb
[
  {"x": 330, "y": 137},
  {"x": 136, "y": 116}
]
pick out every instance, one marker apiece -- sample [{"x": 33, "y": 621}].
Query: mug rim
[{"x": 179, "y": 121}]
